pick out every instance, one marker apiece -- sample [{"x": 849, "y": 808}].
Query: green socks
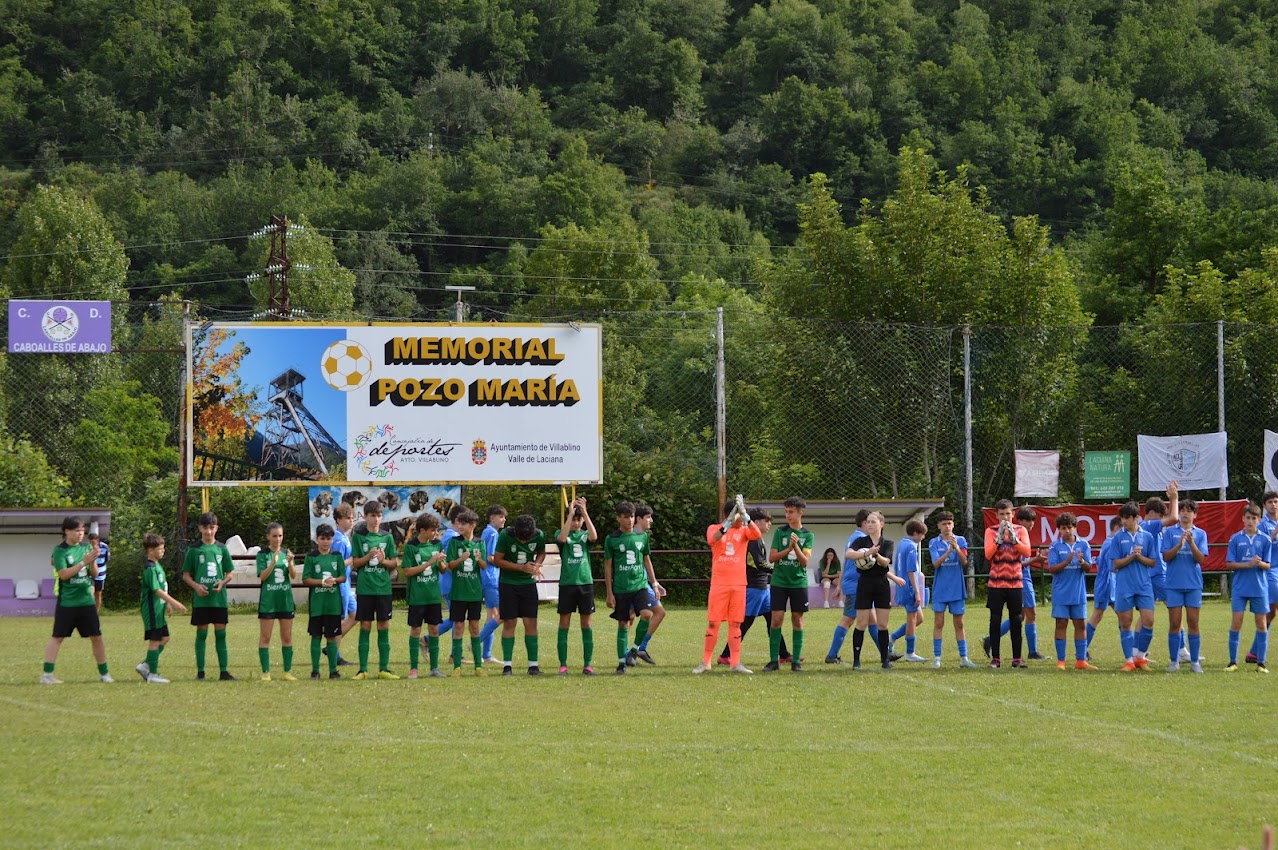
[
  {"x": 102, "y": 669},
  {"x": 797, "y": 649},
  {"x": 287, "y": 652},
  {"x": 641, "y": 631},
  {"x": 530, "y": 644},
  {"x": 432, "y": 645},
  {"x": 623, "y": 643},
  {"x": 48, "y": 667},
  {"x": 383, "y": 649},
  {"x": 507, "y": 650},
  {"x": 562, "y": 645},
  {"x": 364, "y": 638},
  {"x": 477, "y": 651},
  {"x": 587, "y": 647},
  {"x": 414, "y": 651},
  {"x": 264, "y": 658},
  {"x": 219, "y": 641},
  {"x": 153, "y": 660},
  {"x": 331, "y": 652},
  {"x": 456, "y": 653},
  {"x": 315, "y": 654},
  {"x": 774, "y": 645},
  {"x": 201, "y": 648}
]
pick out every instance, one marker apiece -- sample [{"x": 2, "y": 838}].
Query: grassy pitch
[{"x": 828, "y": 757}]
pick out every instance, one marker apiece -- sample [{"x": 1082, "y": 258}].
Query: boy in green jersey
[
  {"x": 276, "y": 571},
  {"x": 521, "y": 549},
  {"x": 644, "y": 520},
  {"x": 464, "y": 559},
  {"x": 791, "y": 548},
  {"x": 155, "y": 604},
  {"x": 576, "y": 583},
  {"x": 324, "y": 571},
  {"x": 207, "y": 571},
  {"x": 74, "y": 569},
  {"x": 420, "y": 565},
  {"x": 626, "y": 554},
  {"x": 373, "y": 558}
]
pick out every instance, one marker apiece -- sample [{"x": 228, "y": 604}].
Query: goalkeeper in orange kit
[{"x": 728, "y": 544}]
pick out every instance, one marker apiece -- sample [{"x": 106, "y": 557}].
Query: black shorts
[
  {"x": 278, "y": 615},
  {"x": 576, "y": 599},
  {"x": 517, "y": 601},
  {"x": 873, "y": 591},
  {"x": 460, "y": 612},
  {"x": 369, "y": 608},
  {"x": 795, "y": 597},
  {"x": 98, "y": 584},
  {"x": 325, "y": 625},
  {"x": 81, "y": 618},
  {"x": 431, "y": 614},
  {"x": 629, "y": 604},
  {"x": 156, "y": 634},
  {"x": 209, "y": 616}
]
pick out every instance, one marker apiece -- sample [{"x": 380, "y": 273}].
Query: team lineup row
[{"x": 454, "y": 580}]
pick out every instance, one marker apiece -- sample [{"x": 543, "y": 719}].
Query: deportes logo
[
  {"x": 346, "y": 366},
  {"x": 1184, "y": 460},
  {"x": 60, "y": 324},
  {"x": 479, "y": 452}
]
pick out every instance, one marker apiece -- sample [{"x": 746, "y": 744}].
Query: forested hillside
[{"x": 999, "y": 163}]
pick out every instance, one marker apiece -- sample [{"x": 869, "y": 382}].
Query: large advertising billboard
[{"x": 395, "y": 403}]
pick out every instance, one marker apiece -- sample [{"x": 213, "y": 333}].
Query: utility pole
[
  {"x": 459, "y": 309},
  {"x": 278, "y": 266}
]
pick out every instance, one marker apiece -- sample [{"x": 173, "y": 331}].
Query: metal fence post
[
  {"x": 1220, "y": 384},
  {"x": 721, "y": 412},
  {"x": 967, "y": 453}
]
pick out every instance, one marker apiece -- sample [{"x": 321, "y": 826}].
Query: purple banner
[{"x": 59, "y": 327}]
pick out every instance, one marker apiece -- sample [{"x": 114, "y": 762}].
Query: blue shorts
[
  {"x": 1103, "y": 593},
  {"x": 1259, "y": 604},
  {"x": 957, "y": 608},
  {"x": 1272, "y": 578},
  {"x": 1159, "y": 580},
  {"x": 758, "y": 601},
  {"x": 849, "y": 606},
  {"x": 1028, "y": 598},
  {"x": 1128, "y": 601},
  {"x": 348, "y": 600},
  {"x": 652, "y": 598},
  {"x": 492, "y": 597},
  {"x": 913, "y": 604},
  {"x": 1063, "y": 611},
  {"x": 1184, "y": 598}
]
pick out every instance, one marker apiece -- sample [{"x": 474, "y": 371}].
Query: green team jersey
[
  {"x": 520, "y": 553},
  {"x": 276, "y": 596},
  {"x": 574, "y": 559},
  {"x": 77, "y": 591},
  {"x": 627, "y": 551},
  {"x": 468, "y": 584},
  {"x": 423, "y": 588},
  {"x": 154, "y": 608},
  {"x": 788, "y": 572},
  {"x": 208, "y": 565},
  {"x": 325, "y": 601},
  {"x": 374, "y": 577}
]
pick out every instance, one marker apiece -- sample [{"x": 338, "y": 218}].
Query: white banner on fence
[
  {"x": 1037, "y": 473},
  {"x": 405, "y": 403},
  {"x": 1271, "y": 460},
  {"x": 1195, "y": 461}
]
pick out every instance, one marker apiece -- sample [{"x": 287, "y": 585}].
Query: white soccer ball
[{"x": 346, "y": 366}]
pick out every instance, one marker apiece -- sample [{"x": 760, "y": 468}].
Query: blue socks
[
  {"x": 1091, "y": 633},
  {"x": 1080, "y": 650},
  {"x": 1143, "y": 639},
  {"x": 936, "y": 647},
  {"x": 1128, "y": 639},
  {"x": 446, "y": 627},
  {"x": 1195, "y": 644},
  {"x": 962, "y": 649},
  {"x": 1005, "y": 628},
  {"x": 486, "y": 636},
  {"x": 1262, "y": 646},
  {"x": 898, "y": 634},
  {"x": 643, "y": 644},
  {"x": 1031, "y": 638},
  {"x": 1173, "y": 646},
  {"x": 840, "y": 634},
  {"x": 1060, "y": 649},
  {"x": 1233, "y": 647},
  {"x": 910, "y": 643}
]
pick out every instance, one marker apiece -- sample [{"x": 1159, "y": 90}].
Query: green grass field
[{"x": 914, "y": 757}]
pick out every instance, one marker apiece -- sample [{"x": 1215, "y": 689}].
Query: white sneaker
[
  {"x": 143, "y": 670},
  {"x": 701, "y": 668},
  {"x": 936, "y": 664},
  {"x": 1184, "y": 655},
  {"x": 966, "y": 662},
  {"x": 157, "y": 679},
  {"x": 827, "y": 603},
  {"x": 1196, "y": 666},
  {"x": 914, "y": 656},
  {"x": 106, "y": 679},
  {"x": 1174, "y": 667},
  {"x": 739, "y": 668},
  {"x": 488, "y": 659},
  {"x": 48, "y": 679}
]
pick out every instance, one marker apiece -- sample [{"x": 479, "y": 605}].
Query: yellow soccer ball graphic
[{"x": 346, "y": 365}]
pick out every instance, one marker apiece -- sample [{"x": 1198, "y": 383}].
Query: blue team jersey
[
  {"x": 948, "y": 582},
  {"x": 1251, "y": 581},
  {"x": 1154, "y": 528},
  {"x": 1135, "y": 577},
  {"x": 342, "y": 546},
  {"x": 490, "y": 575},
  {"x": 1105, "y": 562},
  {"x": 850, "y": 576},
  {"x": 1068, "y": 586},
  {"x": 906, "y": 563},
  {"x": 1183, "y": 572}
]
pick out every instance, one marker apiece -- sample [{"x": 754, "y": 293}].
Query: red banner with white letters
[{"x": 1219, "y": 519}]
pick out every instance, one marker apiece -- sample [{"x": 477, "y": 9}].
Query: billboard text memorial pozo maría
[{"x": 395, "y": 403}]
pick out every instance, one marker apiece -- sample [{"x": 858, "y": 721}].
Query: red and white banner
[{"x": 1219, "y": 519}]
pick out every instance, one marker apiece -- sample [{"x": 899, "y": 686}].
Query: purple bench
[{"x": 12, "y": 607}]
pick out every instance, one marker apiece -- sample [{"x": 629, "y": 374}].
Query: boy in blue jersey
[
  {"x": 344, "y": 522},
  {"x": 446, "y": 576},
  {"x": 491, "y": 576},
  {"x": 851, "y": 580},
  {"x": 912, "y": 595},
  {"x": 1025, "y": 518},
  {"x": 1158, "y": 518},
  {"x": 1131, "y": 559},
  {"x": 1067, "y": 560},
  {"x": 1269, "y": 528},
  {"x": 949, "y": 587},
  {"x": 1184, "y": 548},
  {"x": 1103, "y": 589},
  {"x": 1249, "y": 557}
]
